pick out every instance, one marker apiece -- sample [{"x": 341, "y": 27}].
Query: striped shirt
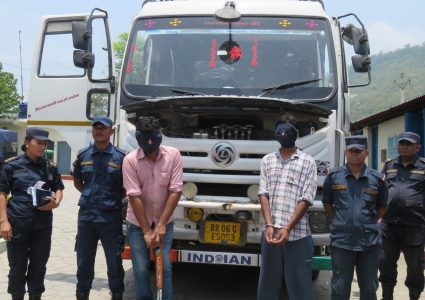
[{"x": 285, "y": 183}]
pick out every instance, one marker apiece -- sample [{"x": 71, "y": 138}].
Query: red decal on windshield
[
  {"x": 235, "y": 53},
  {"x": 129, "y": 67},
  {"x": 212, "y": 55},
  {"x": 254, "y": 61}
]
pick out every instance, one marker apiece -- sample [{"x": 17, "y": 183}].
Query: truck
[
  {"x": 8, "y": 144},
  {"x": 218, "y": 74}
]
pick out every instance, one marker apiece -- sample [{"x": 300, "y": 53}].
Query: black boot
[
  {"x": 34, "y": 297},
  {"x": 82, "y": 295},
  {"x": 414, "y": 294},
  {"x": 387, "y": 292},
  {"x": 116, "y": 296},
  {"x": 17, "y": 297}
]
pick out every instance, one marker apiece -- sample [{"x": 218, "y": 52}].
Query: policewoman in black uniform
[
  {"x": 403, "y": 226},
  {"x": 28, "y": 229}
]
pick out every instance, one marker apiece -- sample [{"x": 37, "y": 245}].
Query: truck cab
[{"x": 218, "y": 75}]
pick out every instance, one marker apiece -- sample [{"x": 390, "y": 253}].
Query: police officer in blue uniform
[
  {"x": 97, "y": 175},
  {"x": 27, "y": 228},
  {"x": 355, "y": 199},
  {"x": 403, "y": 226}
]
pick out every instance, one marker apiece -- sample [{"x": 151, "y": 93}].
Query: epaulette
[
  {"x": 376, "y": 174},
  {"x": 121, "y": 150},
  {"x": 422, "y": 159},
  {"x": 334, "y": 170},
  {"x": 389, "y": 159},
  {"x": 11, "y": 159},
  {"x": 83, "y": 150}
]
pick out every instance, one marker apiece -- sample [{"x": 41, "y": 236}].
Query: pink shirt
[{"x": 152, "y": 181}]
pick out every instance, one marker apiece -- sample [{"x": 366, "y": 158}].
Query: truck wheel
[{"x": 315, "y": 274}]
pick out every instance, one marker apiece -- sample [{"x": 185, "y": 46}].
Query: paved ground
[{"x": 60, "y": 278}]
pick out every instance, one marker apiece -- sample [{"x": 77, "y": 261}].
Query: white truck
[{"x": 218, "y": 75}]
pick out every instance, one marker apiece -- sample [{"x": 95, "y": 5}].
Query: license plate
[{"x": 218, "y": 232}]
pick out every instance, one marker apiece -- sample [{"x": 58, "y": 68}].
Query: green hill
[{"x": 401, "y": 67}]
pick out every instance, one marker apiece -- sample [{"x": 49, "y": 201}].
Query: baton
[{"x": 158, "y": 270}]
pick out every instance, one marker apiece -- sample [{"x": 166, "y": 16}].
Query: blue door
[
  {"x": 374, "y": 148},
  {"x": 64, "y": 158}
]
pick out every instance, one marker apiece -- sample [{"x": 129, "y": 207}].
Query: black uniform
[
  {"x": 29, "y": 249},
  {"x": 403, "y": 226}
]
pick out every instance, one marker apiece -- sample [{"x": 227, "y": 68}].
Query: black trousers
[
  {"x": 110, "y": 234},
  {"x": 410, "y": 241},
  {"x": 28, "y": 253}
]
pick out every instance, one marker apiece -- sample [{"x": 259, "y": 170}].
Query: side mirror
[
  {"x": 361, "y": 41},
  {"x": 83, "y": 59},
  {"x": 81, "y": 35},
  {"x": 361, "y": 63}
]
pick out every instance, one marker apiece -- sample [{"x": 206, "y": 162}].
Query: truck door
[{"x": 64, "y": 98}]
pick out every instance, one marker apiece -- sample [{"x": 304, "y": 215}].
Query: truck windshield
[{"x": 201, "y": 55}]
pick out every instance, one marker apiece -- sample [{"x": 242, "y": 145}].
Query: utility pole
[
  {"x": 402, "y": 84},
  {"x": 20, "y": 58}
]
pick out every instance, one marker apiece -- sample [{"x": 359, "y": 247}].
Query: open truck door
[{"x": 64, "y": 94}]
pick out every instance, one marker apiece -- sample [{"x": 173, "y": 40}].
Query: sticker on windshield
[{"x": 230, "y": 52}]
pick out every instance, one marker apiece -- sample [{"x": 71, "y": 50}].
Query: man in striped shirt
[{"x": 288, "y": 184}]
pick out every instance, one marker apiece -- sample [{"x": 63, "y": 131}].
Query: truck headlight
[
  {"x": 195, "y": 214},
  {"x": 252, "y": 192},
  {"x": 189, "y": 190},
  {"x": 318, "y": 222}
]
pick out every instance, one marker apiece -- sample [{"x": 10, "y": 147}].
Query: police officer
[
  {"x": 403, "y": 226},
  {"x": 355, "y": 199},
  {"x": 97, "y": 175},
  {"x": 28, "y": 229}
]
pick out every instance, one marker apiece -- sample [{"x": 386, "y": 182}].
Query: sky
[{"x": 390, "y": 24}]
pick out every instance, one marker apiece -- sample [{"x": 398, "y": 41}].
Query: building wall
[{"x": 388, "y": 129}]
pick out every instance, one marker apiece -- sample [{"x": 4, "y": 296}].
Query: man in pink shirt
[{"x": 153, "y": 179}]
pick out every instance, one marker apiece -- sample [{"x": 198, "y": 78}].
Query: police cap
[
  {"x": 409, "y": 136},
  {"x": 37, "y": 133},
  {"x": 102, "y": 120},
  {"x": 356, "y": 142}
]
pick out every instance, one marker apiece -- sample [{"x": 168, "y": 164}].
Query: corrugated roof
[{"x": 395, "y": 111}]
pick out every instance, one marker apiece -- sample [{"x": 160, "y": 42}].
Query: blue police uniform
[
  {"x": 32, "y": 228},
  {"x": 100, "y": 214},
  {"x": 355, "y": 236},
  {"x": 403, "y": 226}
]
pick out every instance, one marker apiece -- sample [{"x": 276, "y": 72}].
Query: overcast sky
[{"x": 390, "y": 24}]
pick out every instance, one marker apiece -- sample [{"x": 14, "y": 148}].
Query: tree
[
  {"x": 9, "y": 97},
  {"x": 119, "y": 48}
]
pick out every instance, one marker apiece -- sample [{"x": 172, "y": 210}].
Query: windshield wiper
[
  {"x": 188, "y": 93},
  {"x": 286, "y": 85}
]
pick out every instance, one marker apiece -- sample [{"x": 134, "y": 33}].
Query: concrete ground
[{"x": 60, "y": 279}]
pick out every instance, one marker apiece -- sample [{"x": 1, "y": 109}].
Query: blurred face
[
  {"x": 407, "y": 149},
  {"x": 101, "y": 133},
  {"x": 35, "y": 148},
  {"x": 356, "y": 156}
]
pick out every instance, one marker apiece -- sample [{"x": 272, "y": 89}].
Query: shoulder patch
[
  {"x": 377, "y": 174},
  {"x": 335, "y": 170},
  {"x": 121, "y": 150}
]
